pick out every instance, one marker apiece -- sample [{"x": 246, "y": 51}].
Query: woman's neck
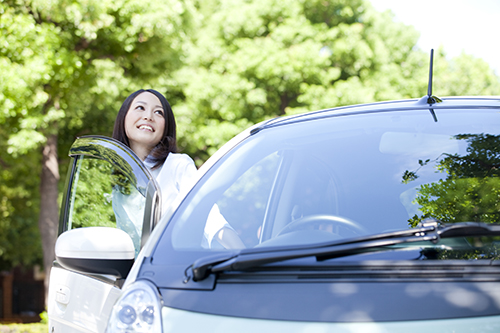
[{"x": 141, "y": 151}]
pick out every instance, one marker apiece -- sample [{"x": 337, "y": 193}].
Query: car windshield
[{"x": 346, "y": 176}]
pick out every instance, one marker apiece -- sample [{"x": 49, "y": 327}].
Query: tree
[
  {"x": 255, "y": 60},
  {"x": 464, "y": 75},
  {"x": 65, "y": 67}
]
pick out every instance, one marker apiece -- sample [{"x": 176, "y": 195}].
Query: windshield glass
[{"x": 345, "y": 176}]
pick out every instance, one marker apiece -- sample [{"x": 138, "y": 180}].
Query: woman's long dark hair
[{"x": 168, "y": 143}]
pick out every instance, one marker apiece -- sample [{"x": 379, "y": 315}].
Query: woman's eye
[
  {"x": 140, "y": 107},
  {"x": 160, "y": 112}
]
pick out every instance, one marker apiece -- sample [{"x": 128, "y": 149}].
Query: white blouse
[{"x": 176, "y": 175}]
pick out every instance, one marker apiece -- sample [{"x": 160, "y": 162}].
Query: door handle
[{"x": 63, "y": 295}]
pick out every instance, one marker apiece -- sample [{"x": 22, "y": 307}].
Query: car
[{"x": 380, "y": 217}]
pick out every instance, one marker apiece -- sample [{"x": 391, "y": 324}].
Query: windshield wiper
[{"x": 427, "y": 231}]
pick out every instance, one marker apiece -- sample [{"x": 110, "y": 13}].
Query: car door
[{"x": 107, "y": 186}]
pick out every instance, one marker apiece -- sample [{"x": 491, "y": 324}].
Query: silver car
[{"x": 373, "y": 218}]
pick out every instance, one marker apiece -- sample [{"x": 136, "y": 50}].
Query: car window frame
[{"x": 124, "y": 159}]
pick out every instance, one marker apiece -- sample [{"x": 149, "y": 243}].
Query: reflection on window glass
[
  {"x": 91, "y": 195},
  {"x": 471, "y": 188},
  {"x": 240, "y": 206},
  {"x": 244, "y": 203},
  {"x": 464, "y": 248},
  {"x": 103, "y": 196}
]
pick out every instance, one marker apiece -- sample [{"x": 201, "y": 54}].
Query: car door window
[{"x": 108, "y": 186}]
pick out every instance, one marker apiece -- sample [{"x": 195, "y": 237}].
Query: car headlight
[{"x": 137, "y": 310}]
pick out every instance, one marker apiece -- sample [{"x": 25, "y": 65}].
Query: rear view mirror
[
  {"x": 96, "y": 250},
  {"x": 424, "y": 144}
]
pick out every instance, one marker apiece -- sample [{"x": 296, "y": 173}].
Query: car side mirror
[{"x": 96, "y": 250}]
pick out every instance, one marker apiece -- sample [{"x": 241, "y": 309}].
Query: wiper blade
[
  {"x": 428, "y": 231},
  {"x": 469, "y": 229}
]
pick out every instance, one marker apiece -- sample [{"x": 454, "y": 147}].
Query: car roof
[{"x": 397, "y": 105}]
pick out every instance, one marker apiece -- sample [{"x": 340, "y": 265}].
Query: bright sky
[{"x": 471, "y": 26}]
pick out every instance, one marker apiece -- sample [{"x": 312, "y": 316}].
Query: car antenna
[{"x": 430, "y": 98}]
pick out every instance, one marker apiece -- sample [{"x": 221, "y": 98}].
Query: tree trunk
[{"x": 49, "y": 210}]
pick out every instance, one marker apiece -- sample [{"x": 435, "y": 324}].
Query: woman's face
[{"x": 144, "y": 123}]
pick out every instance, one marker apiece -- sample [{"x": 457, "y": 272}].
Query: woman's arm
[{"x": 228, "y": 238}]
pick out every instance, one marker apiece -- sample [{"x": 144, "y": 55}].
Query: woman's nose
[{"x": 148, "y": 115}]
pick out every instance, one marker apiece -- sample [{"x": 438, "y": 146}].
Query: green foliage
[
  {"x": 66, "y": 67},
  {"x": 255, "y": 60},
  {"x": 465, "y": 76},
  {"x": 24, "y": 328},
  {"x": 18, "y": 208},
  {"x": 471, "y": 189},
  {"x": 44, "y": 316},
  {"x": 91, "y": 195},
  {"x": 41, "y": 327}
]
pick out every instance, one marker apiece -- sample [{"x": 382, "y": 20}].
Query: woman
[{"x": 146, "y": 124}]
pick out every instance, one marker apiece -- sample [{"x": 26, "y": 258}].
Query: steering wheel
[{"x": 323, "y": 219}]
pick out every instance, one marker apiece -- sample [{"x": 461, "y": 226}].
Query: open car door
[{"x": 110, "y": 206}]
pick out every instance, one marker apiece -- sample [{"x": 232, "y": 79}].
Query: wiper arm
[
  {"x": 428, "y": 231},
  {"x": 202, "y": 267}
]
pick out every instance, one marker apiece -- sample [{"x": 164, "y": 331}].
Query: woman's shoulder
[
  {"x": 179, "y": 161},
  {"x": 179, "y": 157},
  {"x": 178, "y": 168}
]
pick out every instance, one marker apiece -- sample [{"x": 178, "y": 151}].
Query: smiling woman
[{"x": 146, "y": 124}]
